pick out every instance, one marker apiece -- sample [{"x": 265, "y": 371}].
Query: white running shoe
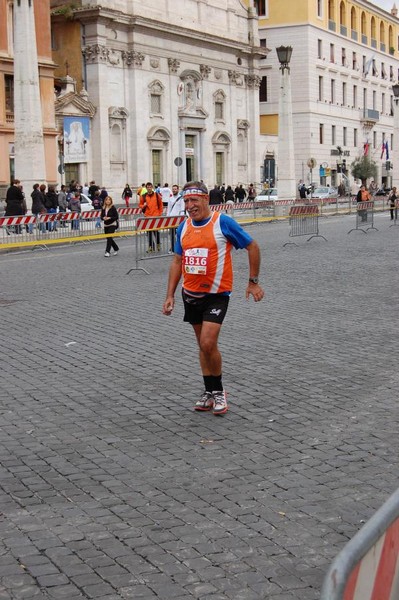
[
  {"x": 107, "y": 254},
  {"x": 116, "y": 252},
  {"x": 205, "y": 402},
  {"x": 220, "y": 403}
]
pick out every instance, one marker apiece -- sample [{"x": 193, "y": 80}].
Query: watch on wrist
[{"x": 254, "y": 280}]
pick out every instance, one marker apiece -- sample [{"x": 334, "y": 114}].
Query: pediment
[{"x": 74, "y": 104}]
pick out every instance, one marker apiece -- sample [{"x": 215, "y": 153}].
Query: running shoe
[
  {"x": 116, "y": 252},
  {"x": 220, "y": 403},
  {"x": 107, "y": 254},
  {"x": 205, "y": 402}
]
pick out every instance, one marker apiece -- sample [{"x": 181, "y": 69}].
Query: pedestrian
[
  {"x": 51, "y": 204},
  {"x": 251, "y": 193},
  {"x": 229, "y": 194},
  {"x": 127, "y": 194},
  {"x": 110, "y": 216},
  {"x": 97, "y": 205},
  {"x": 151, "y": 205},
  {"x": 166, "y": 194},
  {"x": 205, "y": 263},
  {"x": 62, "y": 204},
  {"x": 103, "y": 194},
  {"x": 75, "y": 207},
  {"x": 215, "y": 195},
  {"x": 38, "y": 207},
  {"x": 240, "y": 193},
  {"x": 92, "y": 188},
  {"x": 14, "y": 203},
  {"x": 141, "y": 190},
  {"x": 393, "y": 203},
  {"x": 175, "y": 208},
  {"x": 363, "y": 196}
]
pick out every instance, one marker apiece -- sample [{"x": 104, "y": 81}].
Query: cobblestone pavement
[{"x": 112, "y": 487}]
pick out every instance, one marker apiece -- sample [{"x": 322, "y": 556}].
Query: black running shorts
[{"x": 212, "y": 307}]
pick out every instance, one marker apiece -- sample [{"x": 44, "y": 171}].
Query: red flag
[{"x": 366, "y": 149}]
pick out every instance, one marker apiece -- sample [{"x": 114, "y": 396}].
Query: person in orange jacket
[{"x": 152, "y": 206}]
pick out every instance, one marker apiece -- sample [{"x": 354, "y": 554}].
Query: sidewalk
[{"x": 112, "y": 487}]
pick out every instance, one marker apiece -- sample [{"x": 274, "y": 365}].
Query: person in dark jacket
[
  {"x": 51, "y": 203},
  {"x": 38, "y": 207},
  {"x": 229, "y": 194},
  {"x": 215, "y": 196},
  {"x": 110, "y": 216},
  {"x": 240, "y": 193},
  {"x": 14, "y": 203}
]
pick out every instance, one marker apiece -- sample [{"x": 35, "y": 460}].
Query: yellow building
[{"x": 343, "y": 65}]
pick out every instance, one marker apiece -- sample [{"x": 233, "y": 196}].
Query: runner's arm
[
  {"x": 254, "y": 289},
  {"x": 173, "y": 280}
]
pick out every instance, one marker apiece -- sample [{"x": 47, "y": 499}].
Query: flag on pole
[
  {"x": 386, "y": 151},
  {"x": 366, "y": 146}
]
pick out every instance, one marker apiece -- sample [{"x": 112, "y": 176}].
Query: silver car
[
  {"x": 325, "y": 192},
  {"x": 264, "y": 195}
]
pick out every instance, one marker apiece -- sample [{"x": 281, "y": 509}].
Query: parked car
[
  {"x": 86, "y": 203},
  {"x": 264, "y": 195},
  {"x": 325, "y": 192},
  {"x": 382, "y": 191}
]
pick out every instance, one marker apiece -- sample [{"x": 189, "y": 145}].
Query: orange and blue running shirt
[{"x": 205, "y": 247}]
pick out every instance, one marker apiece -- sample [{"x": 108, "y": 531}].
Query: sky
[{"x": 385, "y": 4}]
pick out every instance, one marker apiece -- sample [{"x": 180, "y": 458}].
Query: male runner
[{"x": 203, "y": 255}]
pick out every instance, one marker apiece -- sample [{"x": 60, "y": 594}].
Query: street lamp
[
  {"x": 286, "y": 184},
  {"x": 395, "y": 149}
]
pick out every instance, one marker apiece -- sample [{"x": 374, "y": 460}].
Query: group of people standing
[{"x": 221, "y": 194}]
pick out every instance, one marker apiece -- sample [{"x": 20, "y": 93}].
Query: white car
[
  {"x": 264, "y": 195},
  {"x": 324, "y": 192},
  {"x": 85, "y": 203}
]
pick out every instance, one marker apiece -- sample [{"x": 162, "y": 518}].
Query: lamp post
[
  {"x": 286, "y": 184},
  {"x": 395, "y": 149}
]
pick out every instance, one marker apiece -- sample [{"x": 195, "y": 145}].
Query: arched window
[
  {"x": 116, "y": 144},
  {"x": 331, "y": 10},
  {"x": 219, "y": 100},
  {"x": 390, "y": 40},
  {"x": 363, "y": 25},
  {"x": 353, "y": 19},
  {"x": 373, "y": 32},
  {"x": 117, "y": 116},
  {"x": 156, "y": 91},
  {"x": 382, "y": 37},
  {"x": 342, "y": 14}
]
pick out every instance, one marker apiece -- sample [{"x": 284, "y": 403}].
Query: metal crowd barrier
[
  {"x": 368, "y": 566},
  {"x": 42, "y": 230},
  {"x": 364, "y": 217},
  {"x": 155, "y": 238},
  {"x": 304, "y": 220}
]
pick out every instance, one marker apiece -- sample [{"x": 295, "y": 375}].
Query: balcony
[
  {"x": 383, "y": 47},
  {"x": 370, "y": 115},
  {"x": 354, "y": 35},
  {"x": 343, "y": 30},
  {"x": 373, "y": 43},
  {"x": 364, "y": 39},
  {"x": 332, "y": 26}
]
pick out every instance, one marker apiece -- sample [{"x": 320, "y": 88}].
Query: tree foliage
[{"x": 364, "y": 168}]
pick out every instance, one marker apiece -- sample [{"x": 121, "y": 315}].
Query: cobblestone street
[{"x": 112, "y": 487}]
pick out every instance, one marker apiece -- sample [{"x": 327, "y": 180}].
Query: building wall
[
  {"x": 133, "y": 49},
  {"x": 316, "y": 36},
  {"x": 46, "y": 69}
]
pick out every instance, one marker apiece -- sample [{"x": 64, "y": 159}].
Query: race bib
[{"x": 196, "y": 261}]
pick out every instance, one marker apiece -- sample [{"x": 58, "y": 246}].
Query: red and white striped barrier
[
  {"x": 22, "y": 220},
  {"x": 145, "y": 224},
  {"x": 71, "y": 216},
  {"x": 130, "y": 211},
  {"x": 304, "y": 211},
  {"x": 283, "y": 202},
  {"x": 365, "y": 205},
  {"x": 219, "y": 207},
  {"x": 376, "y": 576}
]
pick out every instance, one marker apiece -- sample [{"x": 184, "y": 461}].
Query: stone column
[
  {"x": 286, "y": 185},
  {"x": 30, "y": 165}
]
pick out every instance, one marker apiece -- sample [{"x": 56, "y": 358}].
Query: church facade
[{"x": 173, "y": 90}]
